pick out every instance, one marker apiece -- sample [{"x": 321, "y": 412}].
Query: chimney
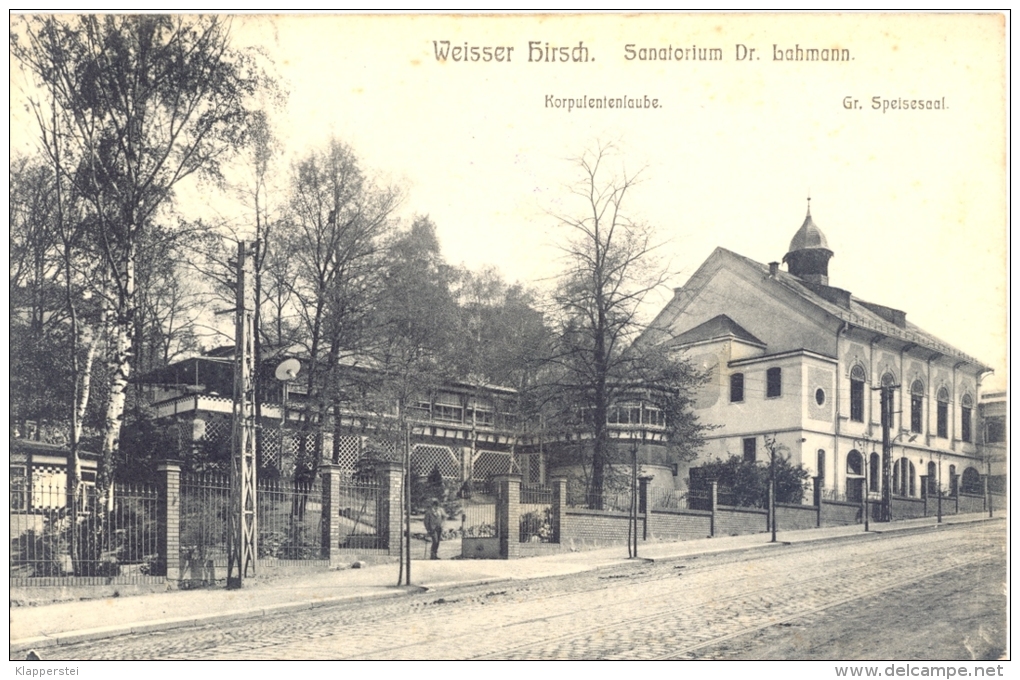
[{"x": 773, "y": 269}]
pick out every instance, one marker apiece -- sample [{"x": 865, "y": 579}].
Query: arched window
[
  {"x": 854, "y": 463},
  {"x": 971, "y": 482},
  {"x": 854, "y": 476},
  {"x": 917, "y": 406},
  {"x": 857, "y": 378},
  {"x": 821, "y": 464},
  {"x": 874, "y": 467},
  {"x": 942, "y": 419},
  {"x": 954, "y": 483},
  {"x": 933, "y": 478},
  {"x": 904, "y": 478},
  {"x": 966, "y": 404},
  {"x": 737, "y": 387}
]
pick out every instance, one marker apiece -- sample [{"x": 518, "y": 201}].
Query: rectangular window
[
  {"x": 480, "y": 417},
  {"x": 750, "y": 452},
  {"x": 943, "y": 419},
  {"x": 995, "y": 429},
  {"x": 737, "y": 387},
  {"x": 653, "y": 416},
  {"x": 452, "y": 414},
  {"x": 774, "y": 382},
  {"x": 965, "y": 424}
]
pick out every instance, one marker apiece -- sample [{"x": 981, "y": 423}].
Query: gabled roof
[
  {"x": 717, "y": 327},
  {"x": 842, "y": 305}
]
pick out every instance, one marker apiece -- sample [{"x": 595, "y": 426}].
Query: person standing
[{"x": 434, "y": 518}]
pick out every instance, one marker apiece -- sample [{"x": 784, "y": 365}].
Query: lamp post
[
  {"x": 285, "y": 373},
  {"x": 939, "y": 490}
]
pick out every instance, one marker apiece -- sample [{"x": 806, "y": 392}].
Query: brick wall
[
  {"x": 835, "y": 514},
  {"x": 594, "y": 528},
  {"x": 793, "y": 517},
  {"x": 679, "y": 525},
  {"x": 969, "y": 503},
  {"x": 730, "y": 521},
  {"x": 907, "y": 508}
]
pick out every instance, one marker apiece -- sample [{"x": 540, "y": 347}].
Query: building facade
[
  {"x": 797, "y": 363},
  {"x": 467, "y": 432}
]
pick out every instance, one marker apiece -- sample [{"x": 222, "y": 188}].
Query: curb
[{"x": 91, "y": 634}]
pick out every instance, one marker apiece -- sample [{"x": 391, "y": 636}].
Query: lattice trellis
[
  {"x": 348, "y": 451},
  {"x": 426, "y": 456},
  {"x": 489, "y": 463},
  {"x": 270, "y": 448},
  {"x": 217, "y": 430}
]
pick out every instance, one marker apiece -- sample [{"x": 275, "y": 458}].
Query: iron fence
[
  {"x": 290, "y": 519},
  {"x": 535, "y": 523},
  {"x": 699, "y": 499},
  {"x": 360, "y": 513},
  {"x": 667, "y": 499},
  {"x": 615, "y": 500},
  {"x": 90, "y": 543},
  {"x": 478, "y": 520},
  {"x": 205, "y": 504}
]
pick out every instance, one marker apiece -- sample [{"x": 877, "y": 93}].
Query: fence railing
[
  {"x": 360, "y": 504},
  {"x": 608, "y": 499},
  {"x": 290, "y": 519},
  {"x": 667, "y": 499},
  {"x": 699, "y": 499},
  {"x": 113, "y": 542},
  {"x": 535, "y": 522},
  {"x": 205, "y": 504}
]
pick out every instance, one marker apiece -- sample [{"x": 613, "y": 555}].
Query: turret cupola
[{"x": 809, "y": 254}]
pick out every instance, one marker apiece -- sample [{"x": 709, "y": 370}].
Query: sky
[{"x": 913, "y": 202}]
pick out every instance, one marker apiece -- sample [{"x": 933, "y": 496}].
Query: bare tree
[
  {"x": 610, "y": 268},
  {"x": 337, "y": 224}
]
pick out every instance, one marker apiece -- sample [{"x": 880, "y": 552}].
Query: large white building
[{"x": 797, "y": 360}]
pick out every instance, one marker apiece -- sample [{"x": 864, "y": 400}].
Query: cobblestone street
[{"x": 722, "y": 606}]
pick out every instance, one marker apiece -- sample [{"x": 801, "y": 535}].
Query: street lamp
[{"x": 285, "y": 373}]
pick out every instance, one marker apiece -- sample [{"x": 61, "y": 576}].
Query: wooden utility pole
[
  {"x": 886, "y": 405},
  {"x": 242, "y": 532},
  {"x": 772, "y": 490},
  {"x": 632, "y": 529}
]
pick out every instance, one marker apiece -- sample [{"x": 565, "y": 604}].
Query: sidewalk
[{"x": 71, "y": 622}]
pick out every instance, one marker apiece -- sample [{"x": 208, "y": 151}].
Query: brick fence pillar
[
  {"x": 169, "y": 520},
  {"x": 389, "y": 521},
  {"x": 508, "y": 515},
  {"x": 713, "y": 501},
  {"x": 330, "y": 510},
  {"x": 559, "y": 507},
  {"x": 643, "y": 506}
]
